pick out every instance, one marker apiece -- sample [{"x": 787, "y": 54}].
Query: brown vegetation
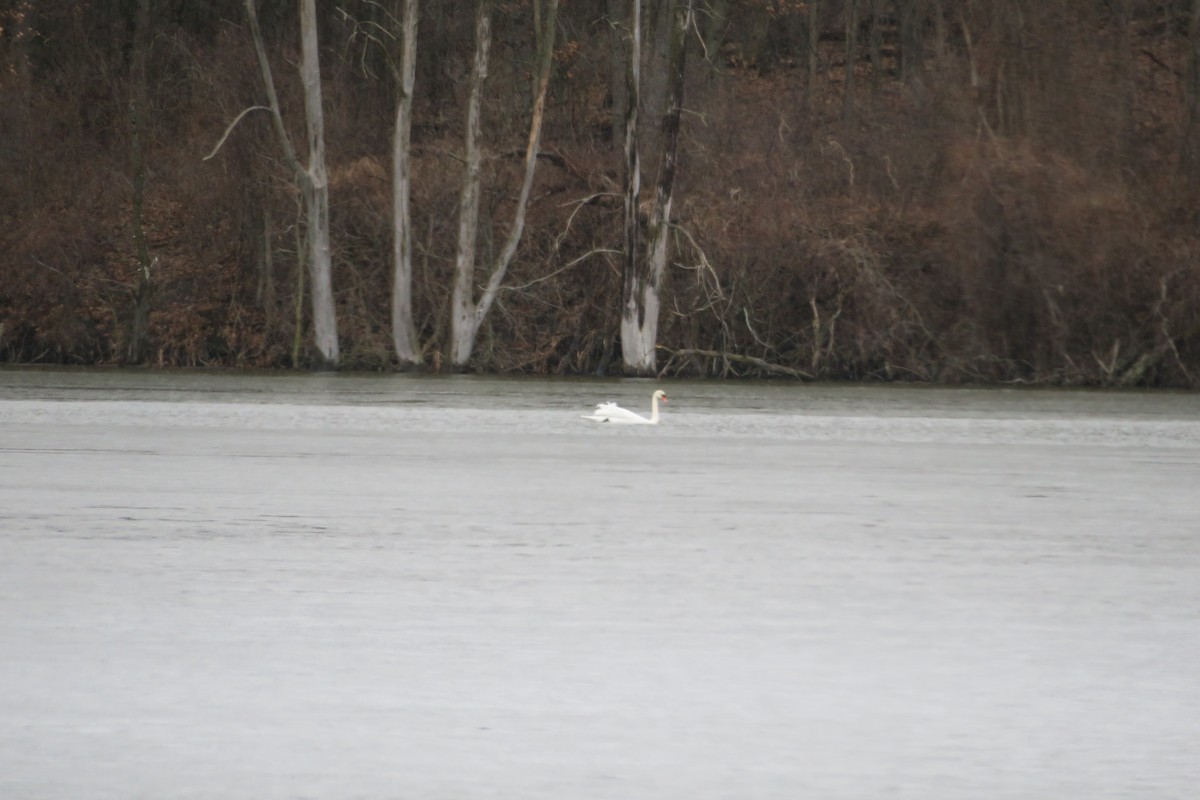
[{"x": 1009, "y": 191}]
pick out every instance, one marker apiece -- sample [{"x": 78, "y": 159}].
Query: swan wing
[
  {"x": 611, "y": 412},
  {"x": 602, "y": 412}
]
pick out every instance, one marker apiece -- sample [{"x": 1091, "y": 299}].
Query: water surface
[{"x": 279, "y": 586}]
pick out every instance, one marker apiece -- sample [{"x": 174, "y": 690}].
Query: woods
[{"x": 837, "y": 189}]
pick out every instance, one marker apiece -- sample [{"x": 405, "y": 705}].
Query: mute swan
[{"x": 611, "y": 412}]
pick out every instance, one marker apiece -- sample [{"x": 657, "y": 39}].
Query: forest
[{"x": 895, "y": 190}]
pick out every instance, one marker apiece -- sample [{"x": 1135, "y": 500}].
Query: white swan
[{"x": 611, "y": 412}]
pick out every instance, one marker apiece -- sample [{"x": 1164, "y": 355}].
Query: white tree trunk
[
  {"x": 633, "y": 348},
  {"x": 468, "y": 315},
  {"x": 320, "y": 262},
  {"x": 404, "y": 332},
  {"x": 462, "y": 301},
  {"x": 316, "y": 206},
  {"x": 643, "y": 278},
  {"x": 312, "y": 180}
]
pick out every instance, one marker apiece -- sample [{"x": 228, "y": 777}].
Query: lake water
[{"x": 333, "y": 586}]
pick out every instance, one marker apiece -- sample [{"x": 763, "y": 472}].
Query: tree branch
[
  {"x": 778, "y": 369},
  {"x": 232, "y": 125}
]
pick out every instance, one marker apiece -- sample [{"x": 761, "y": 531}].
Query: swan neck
[{"x": 654, "y": 410}]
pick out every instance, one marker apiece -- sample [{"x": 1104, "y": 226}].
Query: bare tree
[
  {"x": 462, "y": 300},
  {"x": 467, "y": 313},
  {"x": 312, "y": 180},
  {"x": 315, "y": 187},
  {"x": 404, "y": 332},
  {"x": 643, "y": 277},
  {"x": 633, "y": 303}
]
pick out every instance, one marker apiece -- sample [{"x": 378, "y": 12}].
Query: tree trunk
[
  {"x": 462, "y": 301},
  {"x": 616, "y": 75},
  {"x": 404, "y": 331},
  {"x": 468, "y": 314},
  {"x": 532, "y": 146},
  {"x": 639, "y": 319},
  {"x": 143, "y": 287},
  {"x": 312, "y": 180},
  {"x": 851, "y": 11},
  {"x": 657, "y": 19},
  {"x": 316, "y": 193},
  {"x": 631, "y": 329}
]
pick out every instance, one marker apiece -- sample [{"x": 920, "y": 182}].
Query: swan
[{"x": 611, "y": 412}]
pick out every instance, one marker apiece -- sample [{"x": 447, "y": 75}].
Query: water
[{"x": 270, "y": 586}]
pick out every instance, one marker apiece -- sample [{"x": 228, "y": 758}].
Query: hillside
[{"x": 1006, "y": 193}]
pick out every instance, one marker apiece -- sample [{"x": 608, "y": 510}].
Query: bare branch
[
  {"x": 579, "y": 204},
  {"x": 232, "y": 125},
  {"x": 260, "y": 52},
  {"x": 562, "y": 269},
  {"x": 778, "y": 369},
  {"x": 546, "y": 58}
]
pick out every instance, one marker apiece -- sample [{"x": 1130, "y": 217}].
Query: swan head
[{"x": 659, "y": 394}]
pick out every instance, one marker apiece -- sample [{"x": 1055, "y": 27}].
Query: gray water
[{"x": 286, "y": 586}]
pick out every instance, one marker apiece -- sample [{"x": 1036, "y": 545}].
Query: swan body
[{"x": 611, "y": 412}]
